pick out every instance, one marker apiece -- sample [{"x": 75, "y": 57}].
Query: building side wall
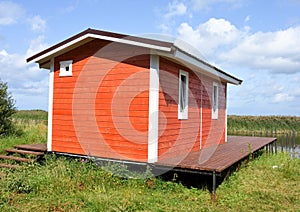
[
  {"x": 213, "y": 130},
  {"x": 179, "y": 137},
  {"x": 102, "y": 110}
]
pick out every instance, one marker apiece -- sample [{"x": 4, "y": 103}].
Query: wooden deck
[
  {"x": 218, "y": 158},
  {"x": 20, "y": 152}
]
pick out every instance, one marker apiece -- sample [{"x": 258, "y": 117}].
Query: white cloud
[
  {"x": 209, "y": 36},
  {"x": 24, "y": 80},
  {"x": 200, "y": 4},
  {"x": 297, "y": 79},
  {"x": 264, "y": 94},
  {"x": 283, "y": 97},
  {"x": 10, "y": 12},
  {"x": 17, "y": 73},
  {"x": 72, "y": 6},
  {"x": 219, "y": 40},
  {"x": 37, "y": 24},
  {"x": 296, "y": 91},
  {"x": 247, "y": 19},
  {"x": 268, "y": 62},
  {"x": 175, "y": 8},
  {"x": 277, "y": 52},
  {"x": 36, "y": 45}
]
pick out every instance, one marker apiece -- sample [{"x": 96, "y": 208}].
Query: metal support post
[{"x": 214, "y": 186}]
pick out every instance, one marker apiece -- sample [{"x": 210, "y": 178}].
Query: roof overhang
[
  {"x": 161, "y": 48},
  {"x": 200, "y": 65}
]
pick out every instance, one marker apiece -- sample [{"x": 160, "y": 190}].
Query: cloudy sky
[{"x": 257, "y": 41}]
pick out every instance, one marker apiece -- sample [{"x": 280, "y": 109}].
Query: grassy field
[
  {"x": 61, "y": 184},
  {"x": 31, "y": 115},
  {"x": 33, "y": 128},
  {"x": 236, "y": 124},
  {"x": 249, "y": 124}
]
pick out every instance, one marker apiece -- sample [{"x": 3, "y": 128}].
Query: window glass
[
  {"x": 183, "y": 95},
  {"x": 215, "y": 101}
]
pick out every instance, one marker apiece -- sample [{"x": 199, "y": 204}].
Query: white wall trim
[
  {"x": 90, "y": 35},
  {"x": 226, "y": 114},
  {"x": 50, "y": 106},
  {"x": 153, "y": 109},
  {"x": 130, "y": 42},
  {"x": 201, "y": 113}
]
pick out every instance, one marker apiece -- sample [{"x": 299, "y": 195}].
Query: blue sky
[{"x": 257, "y": 41}]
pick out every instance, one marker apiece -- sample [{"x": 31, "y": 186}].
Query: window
[
  {"x": 215, "y": 95},
  {"x": 183, "y": 95},
  {"x": 65, "y": 68}
]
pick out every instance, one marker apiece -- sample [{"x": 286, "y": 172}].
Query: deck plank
[
  {"x": 24, "y": 152},
  {"x": 218, "y": 158},
  {"x": 33, "y": 147},
  {"x": 26, "y": 160},
  {"x": 10, "y": 166}
]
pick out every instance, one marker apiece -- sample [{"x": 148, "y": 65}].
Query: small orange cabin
[{"x": 132, "y": 98}]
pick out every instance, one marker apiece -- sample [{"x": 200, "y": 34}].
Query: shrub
[{"x": 7, "y": 109}]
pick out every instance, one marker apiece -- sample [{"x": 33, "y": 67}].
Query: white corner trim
[
  {"x": 50, "y": 106},
  {"x": 226, "y": 124},
  {"x": 226, "y": 114},
  {"x": 201, "y": 114},
  {"x": 153, "y": 109},
  {"x": 90, "y": 35}
]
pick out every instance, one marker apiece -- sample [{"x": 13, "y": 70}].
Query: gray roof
[{"x": 180, "y": 53}]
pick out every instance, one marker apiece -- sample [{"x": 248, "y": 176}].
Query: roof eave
[
  {"x": 158, "y": 47},
  {"x": 197, "y": 64},
  {"x": 90, "y": 34}
]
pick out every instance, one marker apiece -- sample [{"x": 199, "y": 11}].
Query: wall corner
[
  {"x": 50, "y": 106},
  {"x": 153, "y": 109}
]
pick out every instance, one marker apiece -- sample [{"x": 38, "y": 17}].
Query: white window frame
[
  {"x": 183, "y": 109},
  {"x": 65, "y": 68},
  {"x": 215, "y": 100}
]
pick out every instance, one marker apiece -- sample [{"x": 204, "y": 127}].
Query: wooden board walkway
[
  {"x": 218, "y": 158},
  {"x": 33, "y": 147},
  {"x": 37, "y": 150}
]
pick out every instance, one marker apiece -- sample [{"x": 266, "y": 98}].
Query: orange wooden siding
[
  {"x": 102, "y": 110},
  {"x": 213, "y": 130},
  {"x": 177, "y": 137}
]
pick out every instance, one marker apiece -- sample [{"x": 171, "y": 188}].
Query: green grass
[
  {"x": 69, "y": 185},
  {"x": 265, "y": 184},
  {"x": 31, "y": 133},
  {"x": 246, "y": 124},
  {"x": 31, "y": 115},
  {"x": 61, "y": 184}
]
